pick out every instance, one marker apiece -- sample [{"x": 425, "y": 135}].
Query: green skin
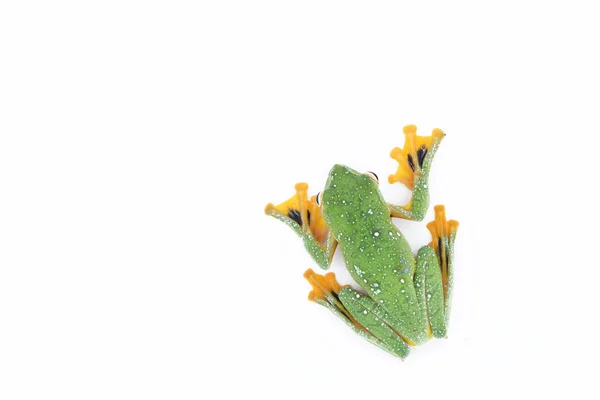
[{"x": 404, "y": 295}]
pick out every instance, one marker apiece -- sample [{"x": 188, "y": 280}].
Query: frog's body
[
  {"x": 407, "y": 299},
  {"x": 375, "y": 252}
]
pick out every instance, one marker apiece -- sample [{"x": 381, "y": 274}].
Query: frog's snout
[{"x": 339, "y": 168}]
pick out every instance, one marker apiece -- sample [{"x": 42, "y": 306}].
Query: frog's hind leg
[
  {"x": 414, "y": 164},
  {"x": 357, "y": 310},
  {"x": 303, "y": 215},
  {"x": 434, "y": 273}
]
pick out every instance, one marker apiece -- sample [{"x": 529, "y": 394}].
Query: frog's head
[{"x": 349, "y": 198}]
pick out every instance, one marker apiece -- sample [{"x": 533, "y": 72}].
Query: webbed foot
[
  {"x": 443, "y": 234},
  {"x": 304, "y": 216},
  {"x": 414, "y": 163}
]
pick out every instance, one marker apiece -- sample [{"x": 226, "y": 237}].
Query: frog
[{"x": 402, "y": 300}]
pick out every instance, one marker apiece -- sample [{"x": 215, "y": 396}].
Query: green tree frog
[{"x": 404, "y": 300}]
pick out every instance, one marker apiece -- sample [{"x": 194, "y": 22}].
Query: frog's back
[{"x": 374, "y": 250}]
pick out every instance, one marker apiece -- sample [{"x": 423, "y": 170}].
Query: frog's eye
[
  {"x": 319, "y": 198},
  {"x": 373, "y": 176}
]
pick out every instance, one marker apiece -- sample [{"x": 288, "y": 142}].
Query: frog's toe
[
  {"x": 270, "y": 209},
  {"x": 414, "y": 158}
]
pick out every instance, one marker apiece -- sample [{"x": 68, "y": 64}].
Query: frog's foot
[
  {"x": 414, "y": 163},
  {"x": 304, "y": 216},
  {"x": 413, "y": 160},
  {"x": 325, "y": 291},
  {"x": 434, "y": 272},
  {"x": 357, "y": 310},
  {"x": 443, "y": 234}
]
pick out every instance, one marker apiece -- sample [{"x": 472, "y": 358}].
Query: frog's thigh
[
  {"x": 429, "y": 290},
  {"x": 369, "y": 315}
]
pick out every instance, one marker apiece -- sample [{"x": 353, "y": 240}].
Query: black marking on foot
[
  {"x": 411, "y": 163},
  {"x": 295, "y": 215},
  {"x": 421, "y": 153},
  {"x": 447, "y": 260},
  {"x": 336, "y": 297}
]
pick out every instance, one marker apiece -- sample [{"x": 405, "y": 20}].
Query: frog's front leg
[
  {"x": 304, "y": 216},
  {"x": 414, "y": 164},
  {"x": 434, "y": 272},
  {"x": 358, "y": 311}
]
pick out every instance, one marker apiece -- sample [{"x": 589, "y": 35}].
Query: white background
[{"x": 140, "y": 142}]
